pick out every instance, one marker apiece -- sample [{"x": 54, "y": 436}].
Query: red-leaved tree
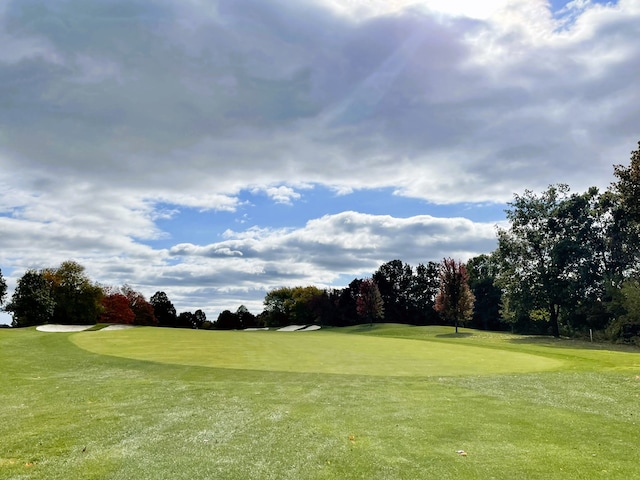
[
  {"x": 454, "y": 301},
  {"x": 116, "y": 309}
]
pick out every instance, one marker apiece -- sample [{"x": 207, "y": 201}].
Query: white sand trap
[
  {"x": 255, "y": 329},
  {"x": 299, "y": 328},
  {"x": 291, "y": 328},
  {"x": 62, "y": 328},
  {"x": 118, "y": 326}
]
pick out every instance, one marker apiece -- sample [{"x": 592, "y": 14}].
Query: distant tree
[
  {"x": 483, "y": 271},
  {"x": 307, "y": 304},
  {"x": 116, "y": 309},
  {"x": 141, "y": 308},
  {"x": 423, "y": 291},
  {"x": 31, "y": 303},
  {"x": 455, "y": 300},
  {"x": 3, "y": 288},
  {"x": 199, "y": 317},
  {"x": 227, "y": 320},
  {"x": 186, "y": 320},
  {"x": 246, "y": 318},
  {"x": 77, "y": 299},
  {"x": 369, "y": 303},
  {"x": 163, "y": 310},
  {"x": 345, "y": 303},
  {"x": 278, "y": 304},
  {"x": 394, "y": 280}
]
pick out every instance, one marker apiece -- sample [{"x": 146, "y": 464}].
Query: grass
[{"x": 388, "y": 402}]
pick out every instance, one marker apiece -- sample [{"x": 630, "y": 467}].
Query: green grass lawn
[{"x": 388, "y": 402}]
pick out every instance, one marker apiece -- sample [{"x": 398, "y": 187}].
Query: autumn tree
[
  {"x": 116, "y": 309},
  {"x": 369, "y": 304},
  {"x": 141, "y": 308},
  {"x": 455, "y": 300},
  {"x": 32, "y": 302}
]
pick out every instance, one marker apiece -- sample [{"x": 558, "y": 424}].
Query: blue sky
[{"x": 216, "y": 149}]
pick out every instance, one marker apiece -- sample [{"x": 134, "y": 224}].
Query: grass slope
[{"x": 174, "y": 404}]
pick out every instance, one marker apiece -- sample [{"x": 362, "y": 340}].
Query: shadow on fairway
[{"x": 455, "y": 335}]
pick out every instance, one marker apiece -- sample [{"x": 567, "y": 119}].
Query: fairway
[
  {"x": 317, "y": 352},
  {"x": 386, "y": 403}
]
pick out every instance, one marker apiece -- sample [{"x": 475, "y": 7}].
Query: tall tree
[
  {"x": 3, "y": 288},
  {"x": 483, "y": 271},
  {"x": 621, "y": 205},
  {"x": 199, "y": 317},
  {"x": 32, "y": 302},
  {"x": 423, "y": 292},
  {"x": 77, "y": 299},
  {"x": 455, "y": 300},
  {"x": 394, "y": 280},
  {"x": 369, "y": 304},
  {"x": 549, "y": 262},
  {"x": 163, "y": 310}
]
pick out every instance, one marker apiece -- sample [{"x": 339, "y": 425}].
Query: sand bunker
[
  {"x": 62, "y": 328},
  {"x": 117, "y": 327},
  {"x": 299, "y": 328},
  {"x": 77, "y": 328}
]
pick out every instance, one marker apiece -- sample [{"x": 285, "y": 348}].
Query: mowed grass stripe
[{"x": 311, "y": 352}]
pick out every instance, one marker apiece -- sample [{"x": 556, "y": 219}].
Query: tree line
[{"x": 567, "y": 264}]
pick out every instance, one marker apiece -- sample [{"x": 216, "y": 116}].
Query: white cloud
[{"x": 116, "y": 115}]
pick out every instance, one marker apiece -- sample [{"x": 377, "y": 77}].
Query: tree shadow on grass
[
  {"x": 563, "y": 342},
  {"x": 454, "y": 335}
]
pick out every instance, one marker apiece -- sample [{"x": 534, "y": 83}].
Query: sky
[{"x": 218, "y": 149}]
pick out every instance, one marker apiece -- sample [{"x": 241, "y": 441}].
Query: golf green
[{"x": 317, "y": 352}]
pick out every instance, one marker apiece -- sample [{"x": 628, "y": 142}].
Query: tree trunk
[{"x": 554, "y": 310}]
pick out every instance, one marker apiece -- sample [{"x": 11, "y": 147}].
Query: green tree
[
  {"x": 287, "y": 305},
  {"x": 278, "y": 304},
  {"x": 483, "y": 271},
  {"x": 199, "y": 317},
  {"x": 550, "y": 258},
  {"x": 246, "y": 318},
  {"x": 369, "y": 303},
  {"x": 32, "y": 302},
  {"x": 163, "y": 310},
  {"x": 422, "y": 293},
  {"x": 455, "y": 300},
  {"x": 626, "y": 325},
  {"x": 3, "y": 288},
  {"x": 77, "y": 299},
  {"x": 621, "y": 219},
  {"x": 394, "y": 280}
]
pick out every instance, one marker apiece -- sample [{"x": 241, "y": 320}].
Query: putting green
[{"x": 319, "y": 352}]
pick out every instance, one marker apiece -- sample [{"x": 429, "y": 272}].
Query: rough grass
[{"x": 534, "y": 408}]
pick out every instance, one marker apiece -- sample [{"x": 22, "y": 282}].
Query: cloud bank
[{"x": 115, "y": 115}]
